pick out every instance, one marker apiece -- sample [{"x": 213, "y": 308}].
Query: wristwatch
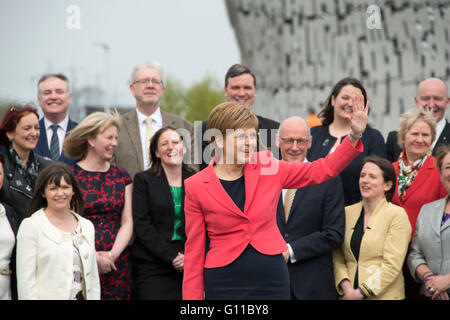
[{"x": 354, "y": 136}]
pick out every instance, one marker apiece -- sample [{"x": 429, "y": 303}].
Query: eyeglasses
[
  {"x": 155, "y": 82},
  {"x": 290, "y": 141}
]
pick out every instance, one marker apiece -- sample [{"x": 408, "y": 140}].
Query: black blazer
[
  {"x": 267, "y": 129},
  {"x": 315, "y": 227},
  {"x": 393, "y": 149},
  {"x": 153, "y": 219},
  {"x": 322, "y": 142},
  {"x": 14, "y": 192},
  {"x": 42, "y": 146}
]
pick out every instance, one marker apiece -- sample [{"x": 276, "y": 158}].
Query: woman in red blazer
[
  {"x": 233, "y": 201},
  {"x": 418, "y": 180}
]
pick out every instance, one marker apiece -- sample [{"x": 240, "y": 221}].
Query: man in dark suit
[
  {"x": 311, "y": 220},
  {"x": 54, "y": 98},
  {"x": 240, "y": 87},
  {"x": 147, "y": 87},
  {"x": 432, "y": 94}
]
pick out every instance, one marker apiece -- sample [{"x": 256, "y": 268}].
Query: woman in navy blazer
[
  {"x": 157, "y": 252},
  {"x": 335, "y": 128},
  {"x": 234, "y": 202}
]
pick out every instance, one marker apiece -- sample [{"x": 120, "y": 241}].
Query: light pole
[{"x": 105, "y": 48}]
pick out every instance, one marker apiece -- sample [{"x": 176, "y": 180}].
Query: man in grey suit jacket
[{"x": 147, "y": 87}]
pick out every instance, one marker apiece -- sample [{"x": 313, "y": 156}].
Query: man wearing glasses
[
  {"x": 54, "y": 98},
  {"x": 147, "y": 87},
  {"x": 311, "y": 220}
]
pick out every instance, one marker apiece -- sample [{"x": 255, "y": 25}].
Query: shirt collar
[
  {"x": 440, "y": 126},
  {"x": 156, "y": 116},
  {"x": 63, "y": 124}
]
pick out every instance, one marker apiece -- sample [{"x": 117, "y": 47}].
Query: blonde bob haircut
[
  {"x": 76, "y": 143},
  {"x": 230, "y": 116},
  {"x": 412, "y": 116}
]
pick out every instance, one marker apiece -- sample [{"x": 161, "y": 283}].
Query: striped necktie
[
  {"x": 54, "y": 143},
  {"x": 288, "y": 198}
]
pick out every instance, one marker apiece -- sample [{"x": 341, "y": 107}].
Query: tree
[
  {"x": 202, "y": 97},
  {"x": 195, "y": 102},
  {"x": 174, "y": 97}
]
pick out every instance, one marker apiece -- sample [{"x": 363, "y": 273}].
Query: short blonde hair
[
  {"x": 412, "y": 116},
  {"x": 76, "y": 143},
  {"x": 231, "y": 115}
]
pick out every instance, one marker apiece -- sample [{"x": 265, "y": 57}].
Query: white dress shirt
[
  {"x": 156, "y": 124},
  {"x": 62, "y": 130},
  {"x": 439, "y": 128}
]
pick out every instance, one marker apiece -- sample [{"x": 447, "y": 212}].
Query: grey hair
[
  {"x": 59, "y": 76},
  {"x": 147, "y": 64}
]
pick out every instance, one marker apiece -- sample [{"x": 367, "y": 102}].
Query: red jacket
[
  {"x": 208, "y": 208},
  {"x": 425, "y": 188}
]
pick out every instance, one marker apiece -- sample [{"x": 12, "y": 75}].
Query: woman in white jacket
[{"x": 55, "y": 246}]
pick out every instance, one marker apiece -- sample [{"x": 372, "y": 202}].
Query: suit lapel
[
  {"x": 438, "y": 214},
  {"x": 251, "y": 176},
  {"x": 297, "y": 199},
  {"x": 169, "y": 120},
  {"x": 216, "y": 190},
  {"x": 352, "y": 215},
  {"x": 132, "y": 128},
  {"x": 70, "y": 126},
  {"x": 444, "y": 138},
  {"x": 420, "y": 179},
  {"x": 165, "y": 189},
  {"x": 42, "y": 145},
  {"x": 280, "y": 214}
]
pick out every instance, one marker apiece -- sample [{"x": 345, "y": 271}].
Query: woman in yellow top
[{"x": 377, "y": 232}]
